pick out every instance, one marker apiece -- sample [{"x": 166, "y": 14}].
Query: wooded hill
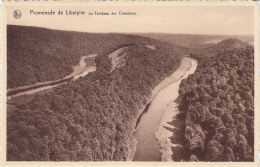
[
  {"x": 218, "y": 103},
  {"x": 39, "y": 54},
  {"x": 91, "y": 119}
]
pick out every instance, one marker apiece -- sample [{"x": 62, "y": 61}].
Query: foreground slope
[
  {"x": 92, "y": 118},
  {"x": 218, "y": 103}
]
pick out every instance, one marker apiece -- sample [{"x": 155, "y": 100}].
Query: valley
[{"x": 125, "y": 97}]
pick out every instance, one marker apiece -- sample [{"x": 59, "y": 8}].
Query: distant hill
[
  {"x": 223, "y": 46},
  {"x": 229, "y": 44},
  {"x": 194, "y": 41}
]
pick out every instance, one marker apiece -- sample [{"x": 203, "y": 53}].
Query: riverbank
[
  {"x": 158, "y": 108},
  {"x": 170, "y": 130},
  {"x": 169, "y": 134}
]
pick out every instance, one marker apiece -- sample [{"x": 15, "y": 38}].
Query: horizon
[{"x": 136, "y": 33}]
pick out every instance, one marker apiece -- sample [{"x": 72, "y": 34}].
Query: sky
[{"x": 217, "y": 20}]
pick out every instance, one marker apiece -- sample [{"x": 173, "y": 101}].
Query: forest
[
  {"x": 218, "y": 104},
  {"x": 38, "y": 54},
  {"x": 92, "y": 118}
]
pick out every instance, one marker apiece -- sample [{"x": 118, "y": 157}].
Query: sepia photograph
[{"x": 130, "y": 83}]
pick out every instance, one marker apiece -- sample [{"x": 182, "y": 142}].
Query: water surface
[{"x": 166, "y": 92}]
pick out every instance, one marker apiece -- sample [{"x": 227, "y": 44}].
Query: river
[
  {"x": 165, "y": 93},
  {"x": 85, "y": 66},
  {"x": 79, "y": 70}
]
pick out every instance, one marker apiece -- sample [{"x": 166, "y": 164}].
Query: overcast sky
[{"x": 172, "y": 19}]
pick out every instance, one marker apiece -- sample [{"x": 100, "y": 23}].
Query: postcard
[{"x": 128, "y": 83}]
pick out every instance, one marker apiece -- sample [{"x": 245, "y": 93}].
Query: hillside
[
  {"x": 92, "y": 118},
  {"x": 218, "y": 104},
  {"x": 39, "y": 54}
]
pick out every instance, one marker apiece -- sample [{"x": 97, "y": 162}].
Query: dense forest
[
  {"x": 218, "y": 103},
  {"x": 39, "y": 54},
  {"x": 92, "y": 118}
]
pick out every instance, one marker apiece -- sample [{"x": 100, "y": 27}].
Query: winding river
[
  {"x": 163, "y": 97},
  {"x": 79, "y": 70},
  {"x": 85, "y": 66},
  {"x": 165, "y": 93}
]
